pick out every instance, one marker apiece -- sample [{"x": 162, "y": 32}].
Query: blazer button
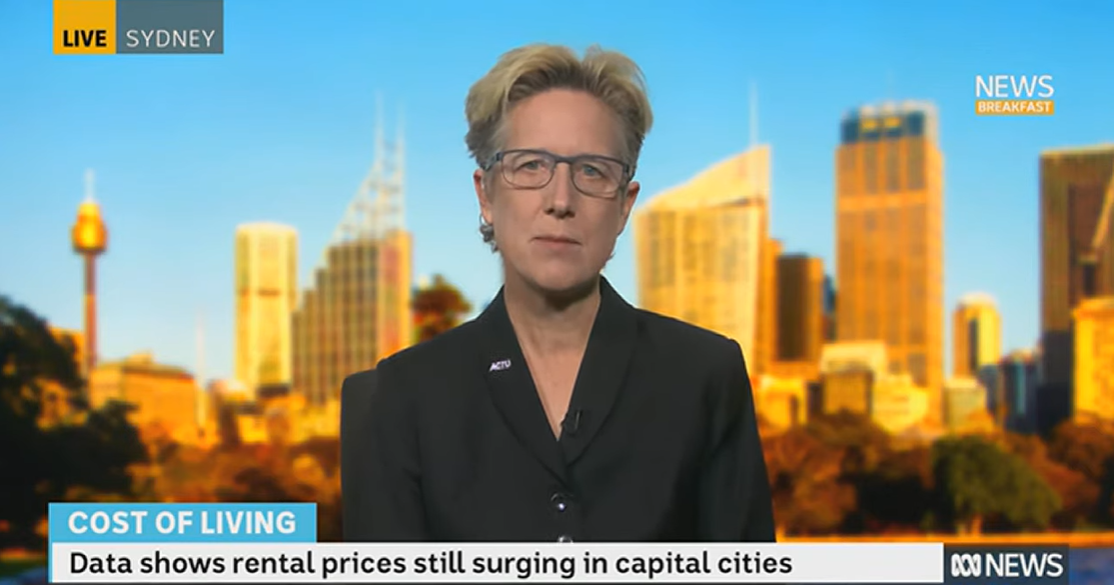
[
  {"x": 560, "y": 502},
  {"x": 564, "y": 538}
]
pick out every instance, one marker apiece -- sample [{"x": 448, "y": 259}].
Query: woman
[{"x": 561, "y": 413}]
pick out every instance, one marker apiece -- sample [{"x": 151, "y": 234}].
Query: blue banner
[{"x": 294, "y": 522}]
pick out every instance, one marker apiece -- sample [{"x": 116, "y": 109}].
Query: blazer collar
[{"x": 602, "y": 372}]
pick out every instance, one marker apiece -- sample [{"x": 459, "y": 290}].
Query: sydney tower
[{"x": 90, "y": 239}]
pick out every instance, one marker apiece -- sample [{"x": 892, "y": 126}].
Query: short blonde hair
[{"x": 610, "y": 76}]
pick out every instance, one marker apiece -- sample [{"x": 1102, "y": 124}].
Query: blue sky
[{"x": 280, "y": 128}]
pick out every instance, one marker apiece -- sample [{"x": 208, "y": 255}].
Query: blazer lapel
[
  {"x": 512, "y": 388},
  {"x": 602, "y": 372}
]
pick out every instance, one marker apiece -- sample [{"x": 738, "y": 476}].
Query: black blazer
[{"x": 447, "y": 441}]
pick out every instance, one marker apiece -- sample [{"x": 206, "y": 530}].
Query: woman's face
[{"x": 557, "y": 237}]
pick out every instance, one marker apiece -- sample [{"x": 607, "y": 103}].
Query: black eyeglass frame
[{"x": 627, "y": 168}]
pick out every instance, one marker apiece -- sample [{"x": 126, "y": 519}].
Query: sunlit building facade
[
  {"x": 848, "y": 374},
  {"x": 701, "y": 249},
  {"x": 889, "y": 238},
  {"x": 965, "y": 408},
  {"x": 1094, "y": 360},
  {"x": 976, "y": 335},
  {"x": 782, "y": 403},
  {"x": 897, "y": 403},
  {"x": 266, "y": 293},
  {"x": 164, "y": 396}
]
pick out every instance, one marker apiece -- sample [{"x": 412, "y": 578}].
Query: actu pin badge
[{"x": 499, "y": 365}]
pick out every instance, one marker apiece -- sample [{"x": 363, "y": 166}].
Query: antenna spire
[
  {"x": 90, "y": 185},
  {"x": 200, "y": 338},
  {"x": 377, "y": 207},
  {"x": 400, "y": 131},
  {"x": 399, "y": 201},
  {"x": 380, "y": 138},
  {"x": 199, "y": 406},
  {"x": 753, "y": 114}
]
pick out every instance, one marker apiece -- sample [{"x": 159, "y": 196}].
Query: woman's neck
[{"x": 549, "y": 323}]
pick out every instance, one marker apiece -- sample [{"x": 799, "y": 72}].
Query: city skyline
[{"x": 283, "y": 152}]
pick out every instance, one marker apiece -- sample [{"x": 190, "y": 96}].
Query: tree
[
  {"x": 864, "y": 442},
  {"x": 976, "y": 480},
  {"x": 1087, "y": 449},
  {"x": 253, "y": 472},
  {"x": 805, "y": 474},
  {"x": 88, "y": 457},
  {"x": 31, "y": 358},
  {"x": 438, "y": 308},
  {"x": 1078, "y": 493},
  {"x": 862, "y": 446},
  {"x": 96, "y": 457},
  {"x": 896, "y": 494}
]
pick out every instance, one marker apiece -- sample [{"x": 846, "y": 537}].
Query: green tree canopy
[{"x": 975, "y": 480}]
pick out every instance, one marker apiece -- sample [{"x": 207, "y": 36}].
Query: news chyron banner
[
  {"x": 138, "y": 27},
  {"x": 276, "y": 543}
]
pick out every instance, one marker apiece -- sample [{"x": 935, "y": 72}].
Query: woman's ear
[
  {"x": 629, "y": 197},
  {"x": 478, "y": 182}
]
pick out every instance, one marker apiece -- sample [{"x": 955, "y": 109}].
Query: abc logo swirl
[{"x": 966, "y": 565}]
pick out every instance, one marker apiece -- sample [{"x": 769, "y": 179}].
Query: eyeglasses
[{"x": 592, "y": 174}]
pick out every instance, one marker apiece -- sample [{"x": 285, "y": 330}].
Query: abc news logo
[{"x": 1044, "y": 565}]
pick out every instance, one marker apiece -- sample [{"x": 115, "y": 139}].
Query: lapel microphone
[{"x": 571, "y": 423}]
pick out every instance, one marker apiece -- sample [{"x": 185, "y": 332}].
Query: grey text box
[{"x": 170, "y": 26}]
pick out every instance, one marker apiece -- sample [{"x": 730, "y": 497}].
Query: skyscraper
[
  {"x": 889, "y": 238},
  {"x": 700, "y": 248},
  {"x": 801, "y": 304},
  {"x": 976, "y": 335},
  {"x": 830, "y": 297},
  {"x": 1012, "y": 391},
  {"x": 1077, "y": 258},
  {"x": 766, "y": 335},
  {"x": 266, "y": 293},
  {"x": 357, "y": 310}
]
